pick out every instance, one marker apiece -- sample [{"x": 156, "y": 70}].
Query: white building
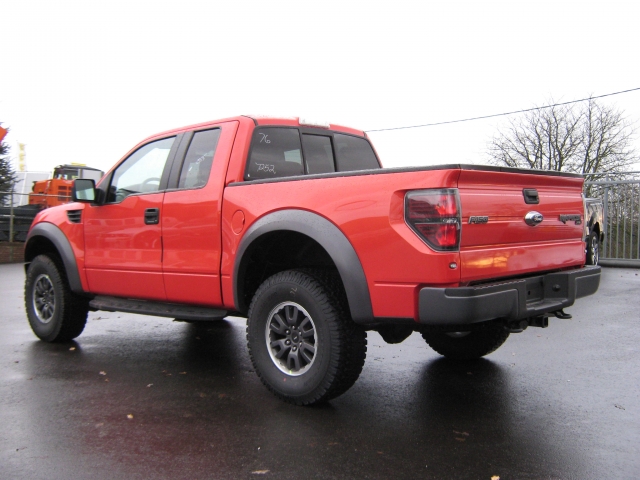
[{"x": 24, "y": 185}]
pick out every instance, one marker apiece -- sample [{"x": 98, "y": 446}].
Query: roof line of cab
[{"x": 263, "y": 120}]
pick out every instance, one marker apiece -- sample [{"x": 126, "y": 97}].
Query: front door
[{"x": 123, "y": 243}]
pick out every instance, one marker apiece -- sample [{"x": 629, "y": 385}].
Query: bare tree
[{"x": 585, "y": 137}]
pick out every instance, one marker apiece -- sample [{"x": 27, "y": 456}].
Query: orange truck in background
[
  {"x": 15, "y": 221},
  {"x": 57, "y": 190}
]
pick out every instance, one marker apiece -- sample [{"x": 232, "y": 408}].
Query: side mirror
[{"x": 84, "y": 190}]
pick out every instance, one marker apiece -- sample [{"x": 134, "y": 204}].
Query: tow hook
[{"x": 560, "y": 314}]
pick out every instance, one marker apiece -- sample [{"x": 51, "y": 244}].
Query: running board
[{"x": 159, "y": 309}]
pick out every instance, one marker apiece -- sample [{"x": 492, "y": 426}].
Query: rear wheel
[
  {"x": 54, "y": 312},
  {"x": 467, "y": 345},
  {"x": 302, "y": 341}
]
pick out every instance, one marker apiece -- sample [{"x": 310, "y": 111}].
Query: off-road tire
[
  {"x": 312, "y": 297},
  {"x": 467, "y": 345},
  {"x": 55, "y": 313}
]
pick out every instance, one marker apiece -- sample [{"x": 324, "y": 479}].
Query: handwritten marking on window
[
  {"x": 264, "y": 167},
  {"x": 265, "y": 138}
]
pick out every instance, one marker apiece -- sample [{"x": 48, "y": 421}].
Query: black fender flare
[
  {"x": 63, "y": 246},
  {"x": 330, "y": 238}
]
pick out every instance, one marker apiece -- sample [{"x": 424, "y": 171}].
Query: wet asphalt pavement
[{"x": 143, "y": 397}]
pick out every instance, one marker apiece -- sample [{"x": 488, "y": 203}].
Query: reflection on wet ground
[{"x": 142, "y": 397}]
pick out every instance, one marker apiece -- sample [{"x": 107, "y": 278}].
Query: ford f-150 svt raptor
[{"x": 297, "y": 227}]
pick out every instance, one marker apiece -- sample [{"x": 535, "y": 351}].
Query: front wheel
[
  {"x": 55, "y": 313},
  {"x": 467, "y": 345},
  {"x": 302, "y": 341},
  {"x": 593, "y": 249}
]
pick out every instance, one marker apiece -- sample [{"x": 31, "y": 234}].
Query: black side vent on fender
[{"x": 74, "y": 216}]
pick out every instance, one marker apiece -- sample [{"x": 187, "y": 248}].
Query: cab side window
[
  {"x": 141, "y": 171},
  {"x": 199, "y": 159},
  {"x": 275, "y": 153}
]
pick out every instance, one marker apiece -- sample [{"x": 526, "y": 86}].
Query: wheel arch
[
  {"x": 46, "y": 238},
  {"x": 300, "y": 230}
]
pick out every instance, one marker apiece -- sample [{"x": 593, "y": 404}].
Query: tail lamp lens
[{"x": 434, "y": 215}]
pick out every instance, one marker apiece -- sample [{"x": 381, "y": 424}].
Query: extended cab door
[
  {"x": 191, "y": 216},
  {"x": 123, "y": 244}
]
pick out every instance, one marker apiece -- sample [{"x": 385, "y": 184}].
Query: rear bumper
[{"x": 510, "y": 300}]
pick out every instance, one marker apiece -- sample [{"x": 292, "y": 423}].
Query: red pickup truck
[{"x": 297, "y": 227}]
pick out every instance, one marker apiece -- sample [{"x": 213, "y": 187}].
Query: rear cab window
[
  {"x": 278, "y": 152},
  {"x": 354, "y": 153}
]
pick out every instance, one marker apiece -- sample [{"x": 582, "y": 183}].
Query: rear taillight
[{"x": 434, "y": 215}]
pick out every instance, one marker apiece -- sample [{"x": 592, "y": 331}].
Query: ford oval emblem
[{"x": 533, "y": 218}]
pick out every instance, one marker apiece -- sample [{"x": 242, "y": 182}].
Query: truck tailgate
[{"x": 497, "y": 241}]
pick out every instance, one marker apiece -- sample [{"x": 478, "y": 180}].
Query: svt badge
[{"x": 577, "y": 219}]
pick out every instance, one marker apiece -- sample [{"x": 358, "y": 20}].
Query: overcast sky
[{"x": 85, "y": 81}]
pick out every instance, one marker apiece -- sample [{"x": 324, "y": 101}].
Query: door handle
[
  {"x": 152, "y": 216},
  {"x": 531, "y": 196}
]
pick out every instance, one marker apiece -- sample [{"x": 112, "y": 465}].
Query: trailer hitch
[{"x": 517, "y": 326}]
